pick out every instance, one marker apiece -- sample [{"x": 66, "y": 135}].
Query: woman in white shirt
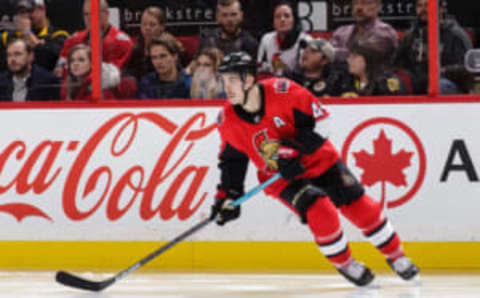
[{"x": 279, "y": 50}]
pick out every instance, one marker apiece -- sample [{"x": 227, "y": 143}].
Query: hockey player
[{"x": 272, "y": 123}]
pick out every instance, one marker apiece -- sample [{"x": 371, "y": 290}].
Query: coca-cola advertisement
[{"x": 117, "y": 173}]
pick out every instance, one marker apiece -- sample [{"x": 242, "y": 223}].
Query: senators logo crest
[{"x": 267, "y": 148}]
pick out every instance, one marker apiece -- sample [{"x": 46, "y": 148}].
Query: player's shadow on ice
[
  {"x": 399, "y": 289},
  {"x": 92, "y": 295}
]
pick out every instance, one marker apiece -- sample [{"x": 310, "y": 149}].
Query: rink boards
[{"x": 85, "y": 187}]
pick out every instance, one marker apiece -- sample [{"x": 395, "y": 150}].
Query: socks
[
  {"x": 366, "y": 214},
  {"x": 323, "y": 221}
]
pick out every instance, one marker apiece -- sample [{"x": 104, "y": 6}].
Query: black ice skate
[
  {"x": 358, "y": 274},
  {"x": 404, "y": 268}
]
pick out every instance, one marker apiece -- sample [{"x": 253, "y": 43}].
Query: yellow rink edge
[{"x": 261, "y": 256}]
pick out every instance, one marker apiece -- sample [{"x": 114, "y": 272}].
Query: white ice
[{"x": 183, "y": 285}]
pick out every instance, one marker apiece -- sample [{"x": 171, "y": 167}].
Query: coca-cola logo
[{"x": 39, "y": 171}]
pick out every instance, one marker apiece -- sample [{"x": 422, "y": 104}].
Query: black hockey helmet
[{"x": 238, "y": 62}]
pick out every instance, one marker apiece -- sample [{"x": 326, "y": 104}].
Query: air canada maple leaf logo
[
  {"x": 389, "y": 159},
  {"x": 383, "y": 166}
]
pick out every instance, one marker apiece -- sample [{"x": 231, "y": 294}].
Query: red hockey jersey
[
  {"x": 116, "y": 46},
  {"x": 288, "y": 111}
]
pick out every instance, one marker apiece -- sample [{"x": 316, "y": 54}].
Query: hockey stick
[{"x": 74, "y": 281}]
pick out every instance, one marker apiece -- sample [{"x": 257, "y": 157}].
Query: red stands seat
[
  {"x": 406, "y": 79},
  {"x": 190, "y": 44},
  {"x": 127, "y": 89},
  {"x": 471, "y": 33},
  {"x": 323, "y": 34}
]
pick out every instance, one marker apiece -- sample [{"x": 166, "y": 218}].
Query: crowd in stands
[
  {"x": 40, "y": 62},
  {"x": 412, "y": 54}
]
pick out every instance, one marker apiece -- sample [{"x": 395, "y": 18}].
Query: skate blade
[
  {"x": 415, "y": 281},
  {"x": 374, "y": 285}
]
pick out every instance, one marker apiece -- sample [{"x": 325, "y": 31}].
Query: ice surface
[{"x": 183, "y": 285}]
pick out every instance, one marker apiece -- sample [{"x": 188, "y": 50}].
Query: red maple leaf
[{"x": 383, "y": 166}]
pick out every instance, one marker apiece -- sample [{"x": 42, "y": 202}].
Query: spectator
[
  {"x": 258, "y": 22},
  {"x": 319, "y": 72},
  {"x": 230, "y": 37},
  {"x": 368, "y": 27},
  {"x": 412, "y": 54},
  {"x": 32, "y": 24},
  {"x": 24, "y": 81},
  {"x": 367, "y": 63},
  {"x": 169, "y": 80},
  {"x": 279, "y": 50},
  {"x": 204, "y": 83},
  {"x": 78, "y": 83},
  {"x": 116, "y": 45},
  {"x": 152, "y": 24}
]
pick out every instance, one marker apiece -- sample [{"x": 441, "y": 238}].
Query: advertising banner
[
  {"x": 151, "y": 173},
  {"x": 398, "y": 13}
]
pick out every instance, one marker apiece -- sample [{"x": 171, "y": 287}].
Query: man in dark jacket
[
  {"x": 230, "y": 36},
  {"x": 32, "y": 24},
  {"x": 412, "y": 54},
  {"x": 169, "y": 80},
  {"x": 23, "y": 81}
]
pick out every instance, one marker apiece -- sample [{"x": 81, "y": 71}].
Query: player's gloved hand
[
  {"x": 222, "y": 211},
  {"x": 289, "y": 160}
]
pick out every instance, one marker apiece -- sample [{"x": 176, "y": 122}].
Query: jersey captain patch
[
  {"x": 317, "y": 110},
  {"x": 278, "y": 122}
]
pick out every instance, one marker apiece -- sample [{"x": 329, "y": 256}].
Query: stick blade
[{"x": 73, "y": 281}]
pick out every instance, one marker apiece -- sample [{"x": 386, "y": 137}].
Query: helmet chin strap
[{"x": 246, "y": 92}]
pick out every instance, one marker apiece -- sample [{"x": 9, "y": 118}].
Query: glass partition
[
  {"x": 171, "y": 49},
  {"x": 459, "y": 26}
]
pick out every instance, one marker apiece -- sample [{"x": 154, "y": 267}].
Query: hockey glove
[
  {"x": 222, "y": 211},
  {"x": 288, "y": 160}
]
